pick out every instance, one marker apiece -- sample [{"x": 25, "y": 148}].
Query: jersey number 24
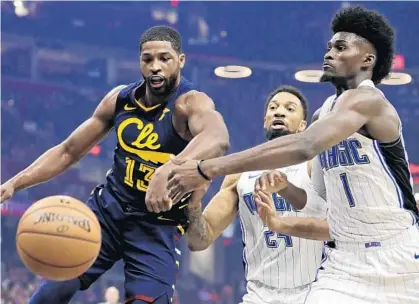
[{"x": 272, "y": 239}]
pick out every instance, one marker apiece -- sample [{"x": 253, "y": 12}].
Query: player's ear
[
  {"x": 302, "y": 126},
  {"x": 182, "y": 60},
  {"x": 369, "y": 60}
]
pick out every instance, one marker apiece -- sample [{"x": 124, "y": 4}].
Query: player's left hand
[
  {"x": 184, "y": 179},
  {"x": 156, "y": 198},
  {"x": 266, "y": 209},
  {"x": 271, "y": 181}
]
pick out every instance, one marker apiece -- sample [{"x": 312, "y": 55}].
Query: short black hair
[
  {"x": 163, "y": 33},
  {"x": 375, "y": 28},
  {"x": 292, "y": 90}
]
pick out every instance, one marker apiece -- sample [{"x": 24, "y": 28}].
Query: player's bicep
[
  {"x": 353, "y": 109},
  {"x": 222, "y": 209},
  {"x": 93, "y": 129},
  {"x": 202, "y": 116}
]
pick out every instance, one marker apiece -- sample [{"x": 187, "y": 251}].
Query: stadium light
[
  {"x": 312, "y": 76},
  {"x": 20, "y": 8},
  {"x": 233, "y": 71},
  {"x": 397, "y": 79}
]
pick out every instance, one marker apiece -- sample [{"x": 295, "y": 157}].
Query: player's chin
[
  {"x": 275, "y": 133},
  {"x": 161, "y": 91},
  {"x": 327, "y": 76}
]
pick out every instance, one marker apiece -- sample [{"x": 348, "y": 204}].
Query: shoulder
[
  {"x": 365, "y": 99},
  {"x": 231, "y": 180},
  {"x": 194, "y": 100},
  {"x": 106, "y": 107},
  {"x": 113, "y": 93}
]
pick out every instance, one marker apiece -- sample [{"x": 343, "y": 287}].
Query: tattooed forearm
[{"x": 199, "y": 231}]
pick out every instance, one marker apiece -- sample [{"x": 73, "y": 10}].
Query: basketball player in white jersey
[
  {"x": 361, "y": 165},
  {"x": 279, "y": 268}
]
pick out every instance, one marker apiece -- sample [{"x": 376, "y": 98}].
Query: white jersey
[
  {"x": 270, "y": 258},
  {"x": 368, "y": 184}
]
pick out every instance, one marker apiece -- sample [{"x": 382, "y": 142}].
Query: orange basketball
[{"x": 58, "y": 238}]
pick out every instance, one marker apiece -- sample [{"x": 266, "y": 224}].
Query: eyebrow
[
  {"x": 337, "y": 41},
  {"x": 287, "y": 102},
  {"x": 158, "y": 53}
]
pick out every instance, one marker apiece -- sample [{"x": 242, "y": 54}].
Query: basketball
[{"x": 58, "y": 238}]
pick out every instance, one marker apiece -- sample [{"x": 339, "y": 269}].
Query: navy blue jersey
[{"x": 146, "y": 139}]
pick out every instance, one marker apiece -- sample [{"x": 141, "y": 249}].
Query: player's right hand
[
  {"x": 7, "y": 191},
  {"x": 156, "y": 198},
  {"x": 271, "y": 181},
  {"x": 266, "y": 210}
]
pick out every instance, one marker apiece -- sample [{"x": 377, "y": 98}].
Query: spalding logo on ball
[{"x": 58, "y": 238}]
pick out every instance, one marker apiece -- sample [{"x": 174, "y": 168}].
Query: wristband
[{"x": 198, "y": 166}]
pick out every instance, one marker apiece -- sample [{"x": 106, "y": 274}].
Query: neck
[
  {"x": 151, "y": 100},
  {"x": 350, "y": 83}
]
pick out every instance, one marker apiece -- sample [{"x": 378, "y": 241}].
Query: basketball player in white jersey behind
[
  {"x": 361, "y": 166},
  {"x": 279, "y": 268}
]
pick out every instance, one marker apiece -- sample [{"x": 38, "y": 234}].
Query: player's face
[
  {"x": 284, "y": 115},
  {"x": 347, "y": 55},
  {"x": 160, "y": 66}
]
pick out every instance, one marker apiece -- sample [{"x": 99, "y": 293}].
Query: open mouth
[
  {"x": 278, "y": 124},
  {"x": 156, "y": 81}
]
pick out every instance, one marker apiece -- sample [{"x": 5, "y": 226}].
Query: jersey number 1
[{"x": 347, "y": 189}]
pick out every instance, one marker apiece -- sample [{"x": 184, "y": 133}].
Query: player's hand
[
  {"x": 7, "y": 191},
  {"x": 156, "y": 198},
  {"x": 184, "y": 179},
  {"x": 266, "y": 209},
  {"x": 271, "y": 181}
]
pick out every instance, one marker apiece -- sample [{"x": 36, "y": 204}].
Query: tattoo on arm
[
  {"x": 206, "y": 226},
  {"x": 199, "y": 232}
]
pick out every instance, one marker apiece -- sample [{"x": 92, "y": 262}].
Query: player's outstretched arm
[
  {"x": 354, "y": 109},
  {"x": 307, "y": 228},
  {"x": 59, "y": 158},
  {"x": 205, "y": 227}
]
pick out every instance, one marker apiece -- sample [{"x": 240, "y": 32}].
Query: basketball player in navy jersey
[
  {"x": 360, "y": 164},
  {"x": 154, "y": 120}
]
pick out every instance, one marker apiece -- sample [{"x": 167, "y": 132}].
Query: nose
[
  {"x": 328, "y": 56},
  {"x": 280, "y": 112},
  {"x": 155, "y": 67}
]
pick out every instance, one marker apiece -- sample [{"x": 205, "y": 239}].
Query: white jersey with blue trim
[
  {"x": 270, "y": 258},
  {"x": 368, "y": 185}
]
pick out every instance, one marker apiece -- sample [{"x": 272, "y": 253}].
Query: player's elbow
[
  {"x": 224, "y": 145},
  {"x": 221, "y": 145},
  {"x": 67, "y": 153}
]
